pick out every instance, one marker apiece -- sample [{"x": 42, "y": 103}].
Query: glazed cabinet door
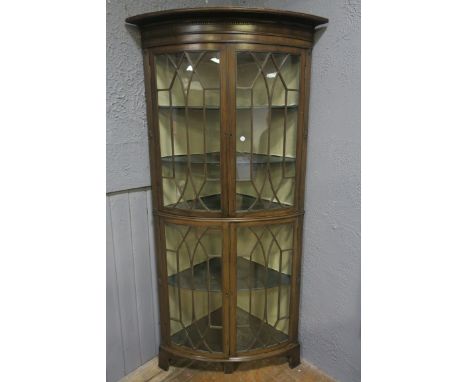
[
  {"x": 267, "y": 105},
  {"x": 264, "y": 263},
  {"x": 196, "y": 265},
  {"x": 187, "y": 100}
]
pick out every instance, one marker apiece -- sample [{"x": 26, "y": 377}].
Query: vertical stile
[
  {"x": 153, "y": 128},
  {"x": 225, "y": 286},
  {"x": 154, "y": 151},
  {"x": 224, "y": 130},
  {"x": 230, "y": 117},
  {"x": 152, "y": 258},
  {"x": 162, "y": 281},
  {"x": 301, "y": 149},
  {"x": 233, "y": 290},
  {"x": 230, "y": 133},
  {"x": 295, "y": 280},
  {"x": 225, "y": 111}
]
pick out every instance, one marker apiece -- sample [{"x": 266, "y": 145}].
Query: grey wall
[{"x": 330, "y": 300}]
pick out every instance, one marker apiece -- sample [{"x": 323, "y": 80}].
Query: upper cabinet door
[
  {"x": 267, "y": 103},
  {"x": 188, "y": 93}
]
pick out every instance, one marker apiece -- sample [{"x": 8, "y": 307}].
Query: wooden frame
[{"x": 227, "y": 31}]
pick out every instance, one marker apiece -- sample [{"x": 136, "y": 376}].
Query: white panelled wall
[{"x": 132, "y": 319}]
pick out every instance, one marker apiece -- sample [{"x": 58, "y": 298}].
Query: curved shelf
[
  {"x": 208, "y": 158},
  {"x": 213, "y": 203},
  {"x": 214, "y": 158},
  {"x": 217, "y": 108},
  {"x": 206, "y": 332},
  {"x": 250, "y": 276}
]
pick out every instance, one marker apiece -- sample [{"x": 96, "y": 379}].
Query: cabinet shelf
[
  {"x": 273, "y": 107},
  {"x": 243, "y": 203},
  {"x": 214, "y": 158},
  {"x": 250, "y": 276},
  {"x": 252, "y": 332}
]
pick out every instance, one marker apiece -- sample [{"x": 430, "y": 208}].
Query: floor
[{"x": 275, "y": 370}]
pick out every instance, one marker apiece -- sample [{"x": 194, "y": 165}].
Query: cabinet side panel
[
  {"x": 153, "y": 143},
  {"x": 154, "y": 274},
  {"x": 303, "y": 123},
  {"x": 296, "y": 280},
  {"x": 154, "y": 201},
  {"x": 143, "y": 284}
]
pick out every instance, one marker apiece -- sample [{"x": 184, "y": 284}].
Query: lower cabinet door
[
  {"x": 264, "y": 264},
  {"x": 194, "y": 261},
  {"x": 229, "y": 285}
]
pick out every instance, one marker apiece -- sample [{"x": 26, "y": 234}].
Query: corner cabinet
[{"x": 227, "y": 104}]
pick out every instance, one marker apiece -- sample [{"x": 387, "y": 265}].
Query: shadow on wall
[
  {"x": 328, "y": 340},
  {"x": 134, "y": 33}
]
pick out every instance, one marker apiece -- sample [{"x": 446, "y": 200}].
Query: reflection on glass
[
  {"x": 267, "y": 98},
  {"x": 264, "y": 264},
  {"x": 188, "y": 94},
  {"x": 194, "y": 284}
]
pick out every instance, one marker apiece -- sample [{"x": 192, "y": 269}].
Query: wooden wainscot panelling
[{"x": 132, "y": 314}]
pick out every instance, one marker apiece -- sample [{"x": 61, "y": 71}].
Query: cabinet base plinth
[
  {"x": 294, "y": 357},
  {"x": 167, "y": 354},
  {"x": 163, "y": 359},
  {"x": 228, "y": 367}
]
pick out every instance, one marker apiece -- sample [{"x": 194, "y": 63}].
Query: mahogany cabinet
[{"x": 227, "y": 104}]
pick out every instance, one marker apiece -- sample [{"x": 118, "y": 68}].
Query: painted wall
[{"x": 330, "y": 297}]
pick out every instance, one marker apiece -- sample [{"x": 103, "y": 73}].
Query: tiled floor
[{"x": 276, "y": 370}]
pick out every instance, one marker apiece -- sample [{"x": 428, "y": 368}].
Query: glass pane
[
  {"x": 267, "y": 98},
  {"x": 194, "y": 284},
  {"x": 264, "y": 264},
  {"x": 188, "y": 96}
]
